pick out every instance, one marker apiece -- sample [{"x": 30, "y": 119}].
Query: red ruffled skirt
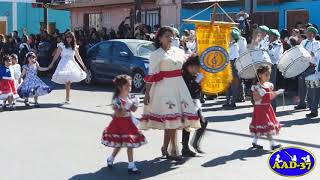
[
  {"x": 122, "y": 132},
  {"x": 7, "y": 87},
  {"x": 264, "y": 121}
]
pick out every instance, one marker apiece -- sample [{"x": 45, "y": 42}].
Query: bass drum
[
  {"x": 294, "y": 61},
  {"x": 249, "y": 61}
]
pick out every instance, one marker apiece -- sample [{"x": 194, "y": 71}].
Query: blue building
[
  {"x": 19, "y": 14},
  {"x": 274, "y": 13}
]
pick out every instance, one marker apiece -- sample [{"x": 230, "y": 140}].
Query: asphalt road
[{"x": 60, "y": 142}]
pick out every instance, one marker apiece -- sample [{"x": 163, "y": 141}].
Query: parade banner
[{"x": 213, "y": 47}]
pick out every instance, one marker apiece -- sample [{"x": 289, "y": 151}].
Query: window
[
  {"x": 145, "y": 49},
  {"x": 103, "y": 50},
  {"x": 95, "y": 21},
  {"x": 107, "y": 21},
  {"x": 119, "y": 47},
  {"x": 150, "y": 18}
]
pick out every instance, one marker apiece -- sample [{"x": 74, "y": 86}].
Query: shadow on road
[
  {"x": 86, "y": 111},
  {"x": 278, "y": 140},
  {"x": 119, "y": 171},
  {"x": 239, "y": 154},
  {"x": 42, "y": 106},
  {"x": 299, "y": 122},
  {"x": 238, "y": 117}
]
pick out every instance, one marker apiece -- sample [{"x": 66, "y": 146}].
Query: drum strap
[{"x": 305, "y": 45}]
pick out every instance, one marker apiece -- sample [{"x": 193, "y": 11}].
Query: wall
[
  {"x": 313, "y": 6},
  {"x": 30, "y": 18},
  {"x": 6, "y": 10},
  {"x": 206, "y": 15},
  {"x": 118, "y": 14}
]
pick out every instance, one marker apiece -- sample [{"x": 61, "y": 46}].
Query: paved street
[{"x": 60, "y": 142}]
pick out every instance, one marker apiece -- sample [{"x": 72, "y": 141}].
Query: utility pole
[
  {"x": 45, "y": 18},
  {"x": 138, "y": 4}
]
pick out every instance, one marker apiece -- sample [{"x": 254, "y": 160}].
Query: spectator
[
  {"x": 94, "y": 39},
  {"x": 24, "y": 48},
  {"x": 44, "y": 48},
  {"x": 284, "y": 37},
  {"x": 15, "y": 36}
]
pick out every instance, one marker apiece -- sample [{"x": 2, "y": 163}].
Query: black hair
[
  {"x": 260, "y": 70},
  {"x": 5, "y": 58},
  {"x": 284, "y": 33},
  {"x": 120, "y": 81},
  {"x": 15, "y": 56},
  {"x": 191, "y": 61},
  {"x": 293, "y": 41},
  {"x": 160, "y": 33},
  {"x": 303, "y": 36},
  {"x": 28, "y": 55}
]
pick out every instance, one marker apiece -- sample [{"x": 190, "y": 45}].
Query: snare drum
[
  {"x": 249, "y": 61},
  {"x": 313, "y": 81},
  {"x": 294, "y": 62}
]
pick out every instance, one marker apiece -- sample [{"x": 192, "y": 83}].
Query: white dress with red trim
[
  {"x": 7, "y": 83},
  {"x": 122, "y": 132},
  {"x": 264, "y": 121},
  {"x": 171, "y": 105}
]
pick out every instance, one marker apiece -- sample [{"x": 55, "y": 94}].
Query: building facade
[
  {"x": 274, "y": 13},
  {"x": 17, "y": 15},
  {"x": 110, "y": 13}
]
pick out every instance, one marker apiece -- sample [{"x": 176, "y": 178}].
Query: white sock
[
  {"x": 131, "y": 165},
  {"x": 255, "y": 140},
  {"x": 111, "y": 158},
  {"x": 272, "y": 143}
]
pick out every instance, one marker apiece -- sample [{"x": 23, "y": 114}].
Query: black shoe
[
  {"x": 11, "y": 108},
  {"x": 202, "y": 101},
  {"x": 276, "y": 147},
  {"x": 226, "y": 105},
  {"x": 26, "y": 103},
  {"x": 134, "y": 171},
  {"x": 312, "y": 115},
  {"x": 175, "y": 158},
  {"x": 257, "y": 146},
  {"x": 233, "y": 105},
  {"x": 188, "y": 153},
  {"x": 299, "y": 107},
  {"x": 241, "y": 100},
  {"x": 197, "y": 148},
  {"x": 37, "y": 105}
]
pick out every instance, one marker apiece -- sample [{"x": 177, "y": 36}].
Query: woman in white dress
[
  {"x": 68, "y": 70},
  {"x": 168, "y": 103}
]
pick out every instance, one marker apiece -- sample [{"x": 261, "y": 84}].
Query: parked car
[{"x": 107, "y": 59}]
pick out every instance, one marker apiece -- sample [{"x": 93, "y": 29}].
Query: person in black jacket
[{"x": 192, "y": 78}]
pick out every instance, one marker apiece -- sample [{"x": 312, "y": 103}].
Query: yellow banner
[{"x": 213, "y": 47}]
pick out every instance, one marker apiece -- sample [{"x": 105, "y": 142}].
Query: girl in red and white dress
[
  {"x": 122, "y": 131},
  {"x": 8, "y": 90},
  {"x": 264, "y": 121}
]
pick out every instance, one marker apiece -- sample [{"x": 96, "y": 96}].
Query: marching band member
[
  {"x": 264, "y": 42},
  {"x": 311, "y": 45},
  {"x": 275, "y": 51},
  {"x": 314, "y": 96},
  {"x": 242, "y": 42},
  {"x": 233, "y": 55}
]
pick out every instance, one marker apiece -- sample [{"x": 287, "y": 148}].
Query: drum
[
  {"x": 249, "y": 61},
  {"x": 294, "y": 62},
  {"x": 313, "y": 81}
]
